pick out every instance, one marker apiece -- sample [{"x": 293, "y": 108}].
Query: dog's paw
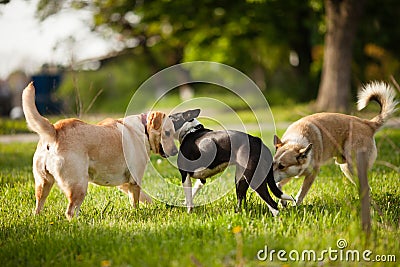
[
  {"x": 298, "y": 202},
  {"x": 285, "y": 200},
  {"x": 284, "y": 203},
  {"x": 287, "y": 197},
  {"x": 274, "y": 212}
]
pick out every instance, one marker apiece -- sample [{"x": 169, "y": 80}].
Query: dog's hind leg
[
  {"x": 241, "y": 187},
  {"x": 42, "y": 190},
  {"x": 43, "y": 183},
  {"x": 72, "y": 176},
  {"x": 43, "y": 179},
  {"x": 75, "y": 194},
  {"x": 241, "y": 190}
]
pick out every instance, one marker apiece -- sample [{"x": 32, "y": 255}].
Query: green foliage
[
  {"x": 255, "y": 36},
  {"x": 8, "y": 126},
  {"x": 109, "y": 232},
  {"x": 249, "y": 35},
  {"x": 375, "y": 51},
  {"x": 108, "y": 89}
]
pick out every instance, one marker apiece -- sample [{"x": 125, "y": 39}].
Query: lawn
[{"x": 109, "y": 232}]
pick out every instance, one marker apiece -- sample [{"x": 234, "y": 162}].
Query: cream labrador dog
[
  {"x": 312, "y": 140},
  {"x": 113, "y": 152}
]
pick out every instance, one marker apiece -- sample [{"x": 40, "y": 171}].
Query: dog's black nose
[{"x": 174, "y": 152}]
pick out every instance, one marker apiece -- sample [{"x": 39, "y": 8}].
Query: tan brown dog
[
  {"x": 110, "y": 153},
  {"x": 312, "y": 140}
]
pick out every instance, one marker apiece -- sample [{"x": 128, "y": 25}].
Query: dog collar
[
  {"x": 143, "y": 117},
  {"x": 191, "y": 130}
]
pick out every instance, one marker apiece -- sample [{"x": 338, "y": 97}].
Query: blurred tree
[{"x": 342, "y": 20}]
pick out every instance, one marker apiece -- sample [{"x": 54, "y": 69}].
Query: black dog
[{"x": 204, "y": 153}]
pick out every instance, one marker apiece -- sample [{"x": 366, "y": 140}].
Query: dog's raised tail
[
  {"x": 35, "y": 121},
  {"x": 382, "y": 93}
]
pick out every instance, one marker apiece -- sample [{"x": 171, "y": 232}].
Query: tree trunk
[
  {"x": 302, "y": 45},
  {"x": 342, "y": 19}
]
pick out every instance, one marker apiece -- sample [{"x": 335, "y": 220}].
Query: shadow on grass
[{"x": 136, "y": 238}]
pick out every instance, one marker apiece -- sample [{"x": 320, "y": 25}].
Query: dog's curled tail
[
  {"x": 382, "y": 93},
  {"x": 35, "y": 121}
]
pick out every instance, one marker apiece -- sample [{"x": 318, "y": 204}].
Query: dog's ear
[
  {"x": 154, "y": 120},
  {"x": 191, "y": 114},
  {"x": 177, "y": 120},
  {"x": 181, "y": 117},
  {"x": 277, "y": 142},
  {"x": 304, "y": 152}
]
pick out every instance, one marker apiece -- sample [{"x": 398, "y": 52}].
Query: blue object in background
[{"x": 46, "y": 85}]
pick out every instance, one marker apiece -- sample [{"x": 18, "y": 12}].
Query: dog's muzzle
[{"x": 165, "y": 155}]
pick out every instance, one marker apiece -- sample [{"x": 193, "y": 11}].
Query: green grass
[
  {"x": 109, "y": 232},
  {"x": 8, "y": 126}
]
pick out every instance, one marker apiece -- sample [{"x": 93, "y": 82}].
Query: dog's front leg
[
  {"x": 134, "y": 194},
  {"x": 308, "y": 181},
  {"x": 197, "y": 186},
  {"x": 187, "y": 188}
]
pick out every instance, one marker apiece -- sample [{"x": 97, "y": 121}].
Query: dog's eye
[
  {"x": 167, "y": 133},
  {"x": 280, "y": 166}
]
